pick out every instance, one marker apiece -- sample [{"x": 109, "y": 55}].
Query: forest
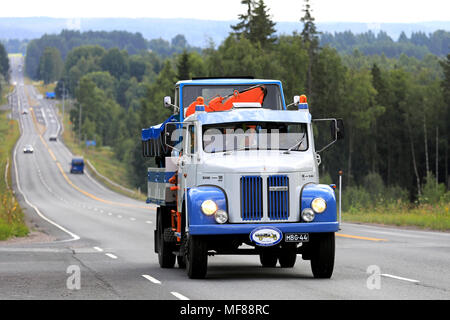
[
  {"x": 4, "y": 69},
  {"x": 394, "y": 97},
  {"x": 418, "y": 45}
]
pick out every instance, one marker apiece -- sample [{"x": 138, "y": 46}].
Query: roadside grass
[
  {"x": 423, "y": 216},
  {"x": 102, "y": 158},
  {"x": 6, "y": 90},
  {"x": 12, "y": 223},
  {"x": 43, "y": 88}
]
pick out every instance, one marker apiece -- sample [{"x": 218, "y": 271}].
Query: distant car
[
  {"x": 53, "y": 138},
  {"x": 77, "y": 165},
  {"x": 24, "y": 112},
  {"x": 28, "y": 149}
]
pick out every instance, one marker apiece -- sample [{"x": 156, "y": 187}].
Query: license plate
[{"x": 296, "y": 237}]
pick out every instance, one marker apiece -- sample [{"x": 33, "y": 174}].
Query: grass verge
[
  {"x": 423, "y": 216},
  {"x": 12, "y": 223}
]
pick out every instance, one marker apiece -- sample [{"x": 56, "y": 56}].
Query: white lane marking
[
  {"x": 111, "y": 255},
  {"x": 148, "y": 222},
  {"x": 132, "y": 219},
  {"x": 179, "y": 295},
  {"x": 399, "y": 278},
  {"x": 98, "y": 249},
  {"x": 119, "y": 216},
  {"x": 151, "y": 279},
  {"x": 110, "y": 214}
]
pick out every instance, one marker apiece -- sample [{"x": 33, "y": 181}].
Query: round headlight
[
  {"x": 221, "y": 216},
  {"x": 319, "y": 205},
  {"x": 308, "y": 215},
  {"x": 209, "y": 207}
]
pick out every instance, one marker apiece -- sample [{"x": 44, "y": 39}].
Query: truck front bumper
[{"x": 247, "y": 228}]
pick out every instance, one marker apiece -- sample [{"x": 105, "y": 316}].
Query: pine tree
[
  {"x": 243, "y": 27},
  {"x": 309, "y": 32},
  {"x": 262, "y": 28},
  {"x": 184, "y": 66},
  {"x": 311, "y": 39}
]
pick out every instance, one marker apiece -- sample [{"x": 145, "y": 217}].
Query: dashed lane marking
[
  {"x": 179, "y": 295},
  {"x": 151, "y": 279}
]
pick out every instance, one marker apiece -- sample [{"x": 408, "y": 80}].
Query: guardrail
[{"x": 108, "y": 181}]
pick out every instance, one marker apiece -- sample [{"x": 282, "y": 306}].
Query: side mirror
[
  {"x": 337, "y": 129},
  {"x": 296, "y": 100},
  {"x": 173, "y": 135},
  {"x": 167, "y": 102}
]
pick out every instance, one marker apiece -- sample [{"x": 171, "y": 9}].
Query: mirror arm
[{"x": 335, "y": 133}]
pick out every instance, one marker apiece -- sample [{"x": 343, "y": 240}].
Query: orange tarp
[{"x": 254, "y": 94}]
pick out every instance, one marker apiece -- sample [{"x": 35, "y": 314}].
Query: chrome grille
[
  {"x": 251, "y": 198},
  {"x": 278, "y": 197}
]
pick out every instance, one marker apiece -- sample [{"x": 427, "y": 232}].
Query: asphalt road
[{"x": 105, "y": 240}]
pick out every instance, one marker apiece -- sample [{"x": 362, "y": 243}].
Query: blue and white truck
[{"x": 236, "y": 172}]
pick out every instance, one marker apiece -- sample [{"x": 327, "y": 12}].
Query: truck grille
[
  {"x": 251, "y": 198},
  {"x": 278, "y": 197}
]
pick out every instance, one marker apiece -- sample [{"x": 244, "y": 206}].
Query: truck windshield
[
  {"x": 272, "y": 99},
  {"x": 255, "y": 136}
]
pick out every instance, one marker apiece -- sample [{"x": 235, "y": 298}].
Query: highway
[{"x": 107, "y": 239}]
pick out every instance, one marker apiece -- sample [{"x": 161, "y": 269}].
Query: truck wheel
[
  {"x": 322, "y": 255},
  {"x": 196, "y": 257},
  {"x": 268, "y": 257},
  {"x": 166, "y": 258},
  {"x": 288, "y": 255}
]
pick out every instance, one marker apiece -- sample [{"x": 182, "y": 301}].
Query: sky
[{"x": 368, "y": 11}]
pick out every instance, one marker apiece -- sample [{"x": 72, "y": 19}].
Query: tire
[
  {"x": 166, "y": 258},
  {"x": 196, "y": 257},
  {"x": 268, "y": 257},
  {"x": 288, "y": 256},
  {"x": 322, "y": 256}
]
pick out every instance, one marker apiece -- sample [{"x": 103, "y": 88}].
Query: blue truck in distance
[
  {"x": 77, "y": 165},
  {"x": 50, "y": 95},
  {"x": 236, "y": 172}
]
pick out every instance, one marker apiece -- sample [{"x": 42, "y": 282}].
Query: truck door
[{"x": 187, "y": 173}]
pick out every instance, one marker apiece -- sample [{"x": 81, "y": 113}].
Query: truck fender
[
  {"x": 196, "y": 196},
  {"x": 311, "y": 191}
]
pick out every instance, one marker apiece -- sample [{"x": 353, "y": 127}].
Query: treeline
[
  {"x": 63, "y": 43},
  {"x": 396, "y": 110},
  {"x": 418, "y": 45},
  {"x": 4, "y": 69}
]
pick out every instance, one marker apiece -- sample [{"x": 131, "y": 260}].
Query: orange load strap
[{"x": 253, "y": 94}]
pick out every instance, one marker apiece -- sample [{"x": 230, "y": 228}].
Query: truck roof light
[{"x": 303, "y": 102}]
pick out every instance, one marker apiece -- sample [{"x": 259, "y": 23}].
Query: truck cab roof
[
  {"x": 209, "y": 89},
  {"x": 227, "y": 81}
]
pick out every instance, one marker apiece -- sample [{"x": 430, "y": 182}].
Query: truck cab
[{"x": 237, "y": 173}]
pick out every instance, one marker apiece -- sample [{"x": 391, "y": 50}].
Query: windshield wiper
[{"x": 296, "y": 144}]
